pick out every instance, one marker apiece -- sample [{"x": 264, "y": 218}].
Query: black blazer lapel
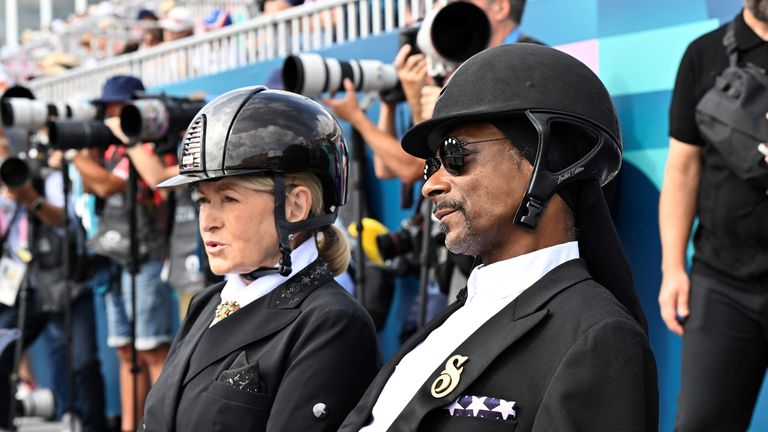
[
  {"x": 258, "y": 319},
  {"x": 492, "y": 338},
  {"x": 177, "y": 367},
  {"x": 359, "y": 416}
]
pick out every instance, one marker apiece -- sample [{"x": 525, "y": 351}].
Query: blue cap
[
  {"x": 118, "y": 89},
  {"x": 146, "y": 13},
  {"x": 218, "y": 18}
]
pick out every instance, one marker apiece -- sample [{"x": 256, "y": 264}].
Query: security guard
[
  {"x": 279, "y": 346},
  {"x": 549, "y": 334}
]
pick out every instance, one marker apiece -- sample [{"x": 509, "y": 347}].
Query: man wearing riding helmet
[{"x": 549, "y": 334}]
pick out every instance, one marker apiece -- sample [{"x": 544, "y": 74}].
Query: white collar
[
  {"x": 237, "y": 290},
  {"x": 512, "y": 276}
]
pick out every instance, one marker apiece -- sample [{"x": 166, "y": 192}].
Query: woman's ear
[{"x": 298, "y": 204}]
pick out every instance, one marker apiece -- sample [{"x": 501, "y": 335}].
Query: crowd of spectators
[{"x": 110, "y": 29}]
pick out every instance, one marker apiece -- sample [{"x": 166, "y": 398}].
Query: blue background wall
[{"x": 635, "y": 47}]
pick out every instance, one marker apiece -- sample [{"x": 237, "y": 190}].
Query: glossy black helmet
[
  {"x": 546, "y": 88},
  {"x": 255, "y": 130}
]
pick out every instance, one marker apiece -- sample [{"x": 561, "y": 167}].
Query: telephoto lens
[
  {"x": 24, "y": 113},
  {"x": 14, "y": 172},
  {"x": 33, "y": 114},
  {"x": 311, "y": 74},
  {"x": 158, "y": 118},
  {"x": 70, "y": 134},
  {"x": 38, "y": 403},
  {"x": 454, "y": 32}
]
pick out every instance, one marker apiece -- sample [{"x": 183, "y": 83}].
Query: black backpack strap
[{"x": 729, "y": 42}]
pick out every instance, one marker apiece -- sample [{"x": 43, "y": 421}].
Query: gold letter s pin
[{"x": 449, "y": 377}]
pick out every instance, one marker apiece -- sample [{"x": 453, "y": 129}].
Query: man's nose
[{"x": 436, "y": 184}]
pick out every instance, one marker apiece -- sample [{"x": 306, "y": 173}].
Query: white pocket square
[{"x": 482, "y": 406}]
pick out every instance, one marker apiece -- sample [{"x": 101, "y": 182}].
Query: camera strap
[{"x": 7, "y": 232}]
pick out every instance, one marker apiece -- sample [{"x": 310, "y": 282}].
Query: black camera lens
[
  {"x": 394, "y": 244},
  {"x": 68, "y": 134}
]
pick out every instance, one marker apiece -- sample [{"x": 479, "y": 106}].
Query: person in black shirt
[{"x": 720, "y": 309}]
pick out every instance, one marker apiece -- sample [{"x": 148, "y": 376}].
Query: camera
[
  {"x": 451, "y": 34},
  {"x": 38, "y": 403},
  {"x": 71, "y": 134},
  {"x": 311, "y": 74},
  {"x": 32, "y": 114},
  {"x": 14, "y": 172},
  {"x": 398, "y": 243},
  {"x": 408, "y": 36},
  {"x": 158, "y": 118}
]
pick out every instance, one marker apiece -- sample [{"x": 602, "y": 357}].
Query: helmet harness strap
[
  {"x": 543, "y": 183},
  {"x": 285, "y": 229}
]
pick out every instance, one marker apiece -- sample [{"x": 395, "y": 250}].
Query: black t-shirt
[
  {"x": 731, "y": 241},
  {"x": 702, "y": 62}
]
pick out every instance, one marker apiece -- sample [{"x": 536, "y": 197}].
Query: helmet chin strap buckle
[
  {"x": 529, "y": 212},
  {"x": 284, "y": 267}
]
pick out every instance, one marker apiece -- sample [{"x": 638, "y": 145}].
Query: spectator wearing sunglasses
[{"x": 549, "y": 333}]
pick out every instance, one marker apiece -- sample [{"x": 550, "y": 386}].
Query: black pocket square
[{"x": 241, "y": 375}]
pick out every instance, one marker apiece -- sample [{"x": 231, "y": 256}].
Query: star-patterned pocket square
[
  {"x": 482, "y": 406},
  {"x": 241, "y": 375}
]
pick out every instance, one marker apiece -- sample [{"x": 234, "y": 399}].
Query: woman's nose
[{"x": 210, "y": 219}]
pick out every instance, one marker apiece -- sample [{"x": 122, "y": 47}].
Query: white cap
[{"x": 178, "y": 19}]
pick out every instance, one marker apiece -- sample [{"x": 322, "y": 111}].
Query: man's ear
[
  {"x": 298, "y": 204},
  {"x": 499, "y": 10}
]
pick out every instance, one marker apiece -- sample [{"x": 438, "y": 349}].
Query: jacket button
[{"x": 320, "y": 410}]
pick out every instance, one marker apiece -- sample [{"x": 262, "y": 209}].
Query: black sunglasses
[{"x": 451, "y": 155}]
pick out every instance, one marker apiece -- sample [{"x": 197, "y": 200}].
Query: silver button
[{"x": 320, "y": 410}]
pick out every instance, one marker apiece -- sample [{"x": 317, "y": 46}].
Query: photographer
[
  {"x": 389, "y": 160},
  {"x": 36, "y": 205},
  {"x": 715, "y": 171},
  {"x": 154, "y": 304}
]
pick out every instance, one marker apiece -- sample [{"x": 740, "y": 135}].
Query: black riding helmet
[
  {"x": 254, "y": 130},
  {"x": 544, "y": 86},
  {"x": 559, "y": 114}
]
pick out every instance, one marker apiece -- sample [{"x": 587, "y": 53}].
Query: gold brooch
[
  {"x": 449, "y": 377},
  {"x": 225, "y": 309}
]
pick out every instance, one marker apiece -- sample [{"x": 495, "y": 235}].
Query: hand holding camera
[{"x": 412, "y": 72}]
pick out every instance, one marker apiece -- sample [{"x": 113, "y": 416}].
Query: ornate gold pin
[
  {"x": 449, "y": 377},
  {"x": 226, "y": 309}
]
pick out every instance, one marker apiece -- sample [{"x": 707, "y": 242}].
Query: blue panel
[
  {"x": 638, "y": 226},
  {"x": 644, "y": 119},
  {"x": 647, "y": 61},
  {"x": 626, "y": 16},
  {"x": 724, "y": 10},
  {"x": 650, "y": 162},
  {"x": 558, "y": 22}
]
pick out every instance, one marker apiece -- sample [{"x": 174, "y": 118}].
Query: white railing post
[
  {"x": 46, "y": 13},
  {"x": 364, "y": 18},
  {"x": 352, "y": 21},
  {"x": 389, "y": 15},
  {"x": 11, "y": 23},
  {"x": 81, "y": 6}
]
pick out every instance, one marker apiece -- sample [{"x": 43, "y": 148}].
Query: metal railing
[
  {"x": 116, "y": 35},
  {"x": 302, "y": 28}
]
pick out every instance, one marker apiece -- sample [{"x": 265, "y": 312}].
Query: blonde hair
[{"x": 332, "y": 243}]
